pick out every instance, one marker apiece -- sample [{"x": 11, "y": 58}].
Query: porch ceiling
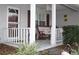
[
  {"x": 73, "y": 7},
  {"x": 44, "y": 6}
]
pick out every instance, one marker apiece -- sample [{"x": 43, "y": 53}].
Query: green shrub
[
  {"x": 28, "y": 49},
  {"x": 70, "y": 34},
  {"x": 75, "y": 52}
]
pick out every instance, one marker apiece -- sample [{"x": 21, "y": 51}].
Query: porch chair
[{"x": 41, "y": 34}]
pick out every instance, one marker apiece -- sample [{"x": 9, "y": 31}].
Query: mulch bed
[
  {"x": 53, "y": 51},
  {"x": 5, "y": 49}
]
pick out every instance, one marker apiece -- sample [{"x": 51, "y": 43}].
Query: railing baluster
[
  {"x": 24, "y": 37},
  {"x": 28, "y": 35},
  {"x": 59, "y": 34},
  {"x": 10, "y": 33},
  {"x": 13, "y": 34},
  {"x": 21, "y": 35},
  {"x": 16, "y": 36}
]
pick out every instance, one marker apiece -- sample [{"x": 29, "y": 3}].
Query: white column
[
  {"x": 53, "y": 28},
  {"x": 32, "y": 24}
]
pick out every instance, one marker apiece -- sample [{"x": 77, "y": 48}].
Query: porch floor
[
  {"x": 42, "y": 44},
  {"x": 52, "y": 51},
  {"x": 45, "y": 44}
]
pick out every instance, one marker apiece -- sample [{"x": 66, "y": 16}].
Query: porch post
[
  {"x": 32, "y": 24},
  {"x": 53, "y": 28}
]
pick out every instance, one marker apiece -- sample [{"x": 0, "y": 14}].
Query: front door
[{"x": 13, "y": 17}]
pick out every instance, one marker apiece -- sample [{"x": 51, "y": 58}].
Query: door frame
[{"x": 8, "y": 22}]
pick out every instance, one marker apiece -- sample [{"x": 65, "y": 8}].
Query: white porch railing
[
  {"x": 18, "y": 35},
  {"x": 59, "y": 36}
]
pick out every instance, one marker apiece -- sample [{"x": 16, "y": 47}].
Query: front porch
[{"x": 19, "y": 26}]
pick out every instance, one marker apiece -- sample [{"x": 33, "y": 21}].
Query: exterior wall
[
  {"x": 73, "y": 18},
  {"x": 3, "y": 17}
]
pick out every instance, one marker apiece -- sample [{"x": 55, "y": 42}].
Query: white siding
[{"x": 73, "y": 18}]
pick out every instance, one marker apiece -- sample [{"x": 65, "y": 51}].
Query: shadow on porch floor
[{"x": 43, "y": 43}]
